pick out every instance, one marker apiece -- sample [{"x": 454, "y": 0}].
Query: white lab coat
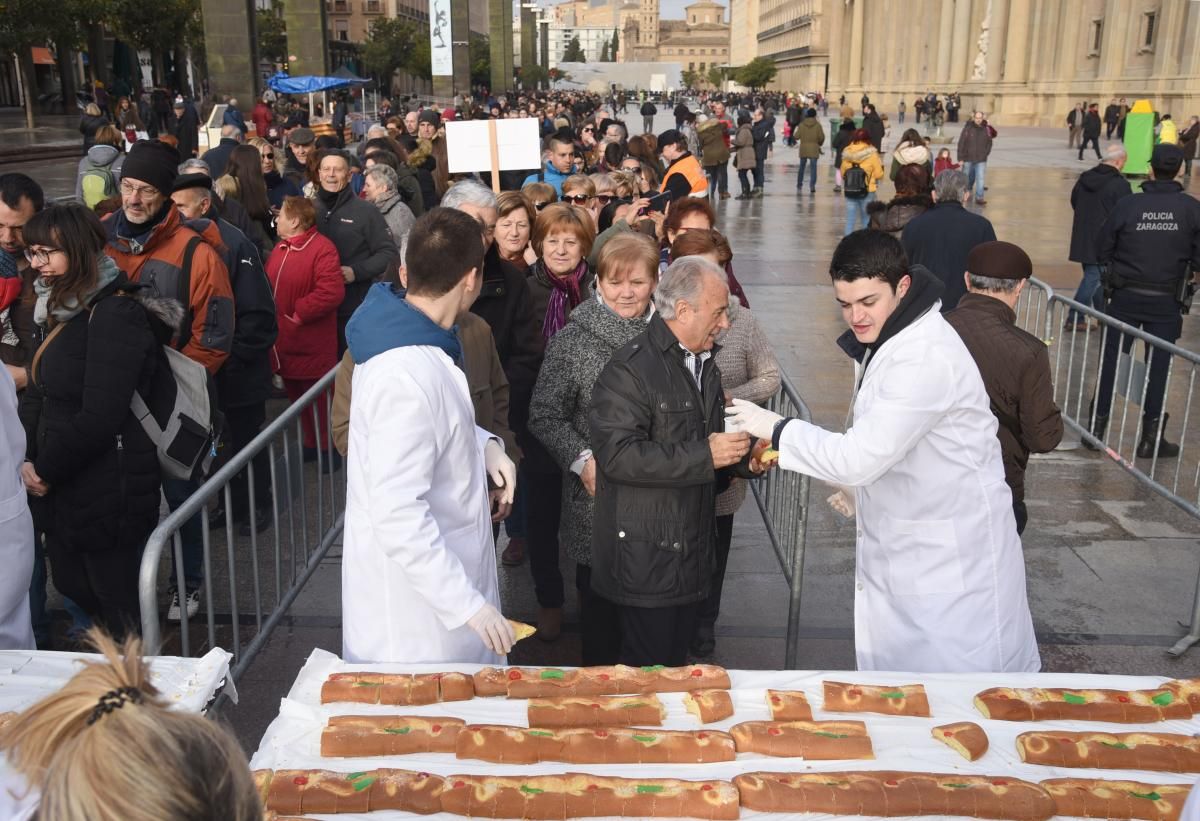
[
  {"x": 16, "y": 526},
  {"x": 418, "y": 554},
  {"x": 939, "y": 573}
]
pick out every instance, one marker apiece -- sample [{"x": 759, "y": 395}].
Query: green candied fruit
[
  {"x": 959, "y": 786},
  {"x": 361, "y": 781},
  {"x": 1116, "y": 745},
  {"x": 549, "y": 674},
  {"x": 397, "y": 730},
  {"x": 541, "y": 733},
  {"x": 645, "y": 739},
  {"x": 368, "y": 684},
  {"x": 824, "y": 734},
  {"x": 531, "y": 790},
  {"x": 1163, "y": 699},
  {"x": 654, "y": 668},
  {"x": 1149, "y": 796},
  {"x": 649, "y": 788},
  {"x": 1071, "y": 698},
  {"x": 893, "y": 694}
]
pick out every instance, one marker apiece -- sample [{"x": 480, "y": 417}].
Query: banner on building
[{"x": 441, "y": 49}]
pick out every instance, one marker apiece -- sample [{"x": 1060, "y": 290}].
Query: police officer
[{"x": 1150, "y": 243}]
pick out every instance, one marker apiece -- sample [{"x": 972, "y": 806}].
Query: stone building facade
[
  {"x": 1025, "y": 62},
  {"x": 697, "y": 42}
]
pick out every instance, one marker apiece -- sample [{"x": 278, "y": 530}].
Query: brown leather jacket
[
  {"x": 1016, "y": 372},
  {"x": 485, "y": 378}
]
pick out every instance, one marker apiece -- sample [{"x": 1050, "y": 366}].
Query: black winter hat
[
  {"x": 1165, "y": 158},
  {"x": 186, "y": 181},
  {"x": 671, "y": 137},
  {"x": 430, "y": 116},
  {"x": 153, "y": 163}
]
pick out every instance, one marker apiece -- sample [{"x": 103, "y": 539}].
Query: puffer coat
[{"x": 562, "y": 399}]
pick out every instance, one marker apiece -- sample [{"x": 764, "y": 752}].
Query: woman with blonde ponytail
[{"x": 107, "y": 748}]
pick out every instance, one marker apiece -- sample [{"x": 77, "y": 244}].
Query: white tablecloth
[
  {"x": 27, "y": 677},
  {"x": 293, "y": 739}
]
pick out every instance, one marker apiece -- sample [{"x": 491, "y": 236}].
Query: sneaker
[
  {"x": 193, "y": 604},
  {"x": 725, "y": 195}
]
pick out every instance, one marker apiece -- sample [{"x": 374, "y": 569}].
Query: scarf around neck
[
  {"x": 107, "y": 271},
  {"x": 564, "y": 296}
]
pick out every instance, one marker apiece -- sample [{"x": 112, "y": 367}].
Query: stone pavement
[{"x": 1111, "y": 568}]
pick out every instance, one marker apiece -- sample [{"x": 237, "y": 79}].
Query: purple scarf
[{"x": 564, "y": 296}]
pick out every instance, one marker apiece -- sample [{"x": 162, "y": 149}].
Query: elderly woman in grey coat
[
  {"x": 749, "y": 371},
  {"x": 562, "y": 399},
  {"x": 381, "y": 185}
]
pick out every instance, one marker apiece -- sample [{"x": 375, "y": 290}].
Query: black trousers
[
  {"x": 241, "y": 426},
  {"x": 710, "y": 608},
  {"x": 1168, "y": 328},
  {"x": 543, "y": 511},
  {"x": 1109, "y": 128},
  {"x": 657, "y": 635},
  {"x": 104, "y": 583},
  {"x": 1095, "y": 141},
  {"x": 1022, "y": 515},
  {"x": 599, "y": 622}
]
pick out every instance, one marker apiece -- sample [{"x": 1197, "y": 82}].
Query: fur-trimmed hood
[
  {"x": 164, "y": 309},
  {"x": 910, "y": 154}
]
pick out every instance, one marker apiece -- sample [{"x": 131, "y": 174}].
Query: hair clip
[{"x": 114, "y": 700}]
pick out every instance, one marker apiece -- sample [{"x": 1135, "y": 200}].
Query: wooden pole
[{"x": 494, "y": 148}]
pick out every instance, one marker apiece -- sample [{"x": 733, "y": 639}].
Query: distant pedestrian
[
  {"x": 861, "y": 171},
  {"x": 649, "y": 109},
  {"x": 1075, "y": 125},
  {"x": 233, "y": 116},
  {"x": 974, "y": 146},
  {"x": 902, "y": 108},
  {"x": 874, "y": 126},
  {"x": 1095, "y": 194},
  {"x": 811, "y": 136},
  {"x": 1091, "y": 131},
  {"x": 1112, "y": 115},
  {"x": 1189, "y": 138}
]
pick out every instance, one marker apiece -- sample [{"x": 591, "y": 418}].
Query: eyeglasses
[
  {"x": 40, "y": 256},
  {"x": 604, "y": 199},
  {"x": 633, "y": 168},
  {"x": 145, "y": 192},
  {"x": 269, "y": 156},
  {"x": 540, "y": 205},
  {"x": 576, "y": 199},
  {"x": 589, "y": 128}
]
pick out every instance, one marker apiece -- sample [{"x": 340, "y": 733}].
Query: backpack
[
  {"x": 180, "y": 413},
  {"x": 854, "y": 182},
  {"x": 98, "y": 184}
]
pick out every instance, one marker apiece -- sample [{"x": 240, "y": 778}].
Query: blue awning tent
[{"x": 284, "y": 84}]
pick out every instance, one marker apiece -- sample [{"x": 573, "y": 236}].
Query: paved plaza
[{"x": 1111, "y": 568}]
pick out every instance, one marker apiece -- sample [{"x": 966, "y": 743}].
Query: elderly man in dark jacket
[
  {"x": 360, "y": 233},
  {"x": 942, "y": 237},
  {"x": 1092, "y": 199},
  {"x": 661, "y": 451},
  {"x": 1013, "y": 363}
]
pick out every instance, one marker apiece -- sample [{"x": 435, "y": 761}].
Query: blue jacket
[
  {"x": 551, "y": 175},
  {"x": 385, "y": 321}
]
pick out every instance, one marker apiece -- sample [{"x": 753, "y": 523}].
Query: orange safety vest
[{"x": 691, "y": 169}]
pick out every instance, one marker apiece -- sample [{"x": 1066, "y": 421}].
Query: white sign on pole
[
  {"x": 518, "y": 145},
  {"x": 440, "y": 41}
]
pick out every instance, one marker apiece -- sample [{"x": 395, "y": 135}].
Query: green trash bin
[{"x": 1139, "y": 138}]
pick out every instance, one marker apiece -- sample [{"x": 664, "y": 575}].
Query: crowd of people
[{"x": 271, "y": 259}]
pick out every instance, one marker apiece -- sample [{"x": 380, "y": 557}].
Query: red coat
[
  {"x": 306, "y": 278},
  {"x": 261, "y": 116}
]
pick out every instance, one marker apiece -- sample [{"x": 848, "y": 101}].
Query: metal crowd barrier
[
  {"x": 263, "y": 573},
  {"x": 1076, "y": 353},
  {"x": 782, "y": 497}
]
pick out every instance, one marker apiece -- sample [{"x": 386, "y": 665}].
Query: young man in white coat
[
  {"x": 419, "y": 570},
  {"x": 939, "y": 574},
  {"x": 16, "y": 526}
]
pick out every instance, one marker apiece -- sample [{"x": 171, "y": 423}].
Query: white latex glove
[
  {"x": 501, "y": 470},
  {"x": 843, "y": 501},
  {"x": 495, "y": 631},
  {"x": 749, "y": 417}
]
